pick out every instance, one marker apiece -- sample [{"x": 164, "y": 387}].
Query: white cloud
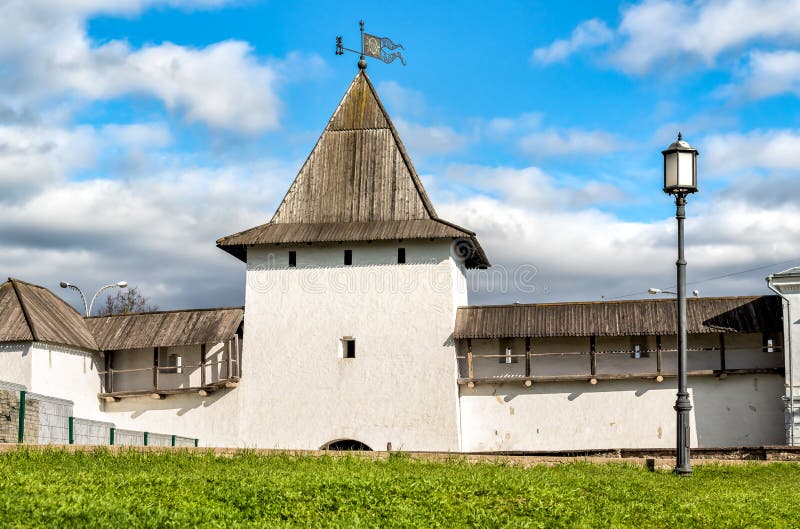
[
  {"x": 664, "y": 34},
  {"x": 568, "y": 142},
  {"x": 767, "y": 74},
  {"x": 33, "y": 156},
  {"x": 46, "y": 53},
  {"x": 533, "y": 187},
  {"x": 659, "y": 32},
  {"x": 736, "y": 152},
  {"x": 423, "y": 140},
  {"x": 400, "y": 100},
  {"x": 521, "y": 123},
  {"x": 582, "y": 253},
  {"x": 587, "y": 34},
  {"x": 156, "y": 231}
]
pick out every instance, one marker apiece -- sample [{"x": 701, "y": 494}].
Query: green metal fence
[{"x": 31, "y": 418}]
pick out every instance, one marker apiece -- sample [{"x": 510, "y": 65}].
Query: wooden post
[
  {"x": 470, "y": 372},
  {"x": 155, "y": 369},
  {"x": 202, "y": 365},
  {"x": 722, "y": 353},
  {"x": 527, "y": 357},
  {"x": 109, "y": 374},
  {"x": 229, "y": 364},
  {"x": 238, "y": 369},
  {"x": 593, "y": 354},
  {"x": 658, "y": 353}
]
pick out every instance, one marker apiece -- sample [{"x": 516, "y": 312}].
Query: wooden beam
[
  {"x": 202, "y": 364},
  {"x": 620, "y": 376},
  {"x": 166, "y": 392},
  {"x": 527, "y": 357},
  {"x": 470, "y": 371},
  {"x": 155, "y": 369},
  {"x": 658, "y": 353},
  {"x": 593, "y": 356}
]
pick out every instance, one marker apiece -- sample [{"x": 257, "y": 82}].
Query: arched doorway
[{"x": 346, "y": 444}]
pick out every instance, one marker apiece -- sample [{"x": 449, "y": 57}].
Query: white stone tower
[{"x": 352, "y": 290}]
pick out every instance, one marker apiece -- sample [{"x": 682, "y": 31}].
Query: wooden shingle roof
[
  {"x": 33, "y": 313},
  {"x": 358, "y": 184},
  {"x": 166, "y": 328},
  {"x": 750, "y": 314}
]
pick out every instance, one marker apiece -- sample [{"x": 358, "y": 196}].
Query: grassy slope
[{"x": 57, "y": 489}]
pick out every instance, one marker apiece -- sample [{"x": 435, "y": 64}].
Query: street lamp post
[
  {"x": 680, "y": 179},
  {"x": 88, "y": 309}
]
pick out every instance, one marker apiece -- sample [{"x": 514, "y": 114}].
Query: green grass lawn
[{"x": 131, "y": 489}]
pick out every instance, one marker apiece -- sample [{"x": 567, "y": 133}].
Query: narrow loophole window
[
  {"x": 348, "y": 348},
  {"x": 292, "y": 259},
  {"x": 348, "y": 257}
]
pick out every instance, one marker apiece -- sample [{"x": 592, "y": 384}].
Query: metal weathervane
[{"x": 372, "y": 46}]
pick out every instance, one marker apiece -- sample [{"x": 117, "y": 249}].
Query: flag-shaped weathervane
[{"x": 373, "y": 46}]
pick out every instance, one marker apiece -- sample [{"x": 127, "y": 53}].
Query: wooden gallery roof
[
  {"x": 620, "y": 318},
  {"x": 33, "y": 313},
  {"x": 164, "y": 329},
  {"x": 358, "y": 184}
]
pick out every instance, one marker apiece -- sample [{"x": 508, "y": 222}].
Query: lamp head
[
  {"x": 680, "y": 167},
  {"x": 64, "y": 284},
  {"x": 122, "y": 284},
  {"x": 654, "y": 291}
]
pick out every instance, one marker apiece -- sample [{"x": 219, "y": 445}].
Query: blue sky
[{"x": 134, "y": 133}]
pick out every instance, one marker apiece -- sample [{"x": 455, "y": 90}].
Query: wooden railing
[
  {"x": 158, "y": 389},
  {"x": 527, "y": 375}
]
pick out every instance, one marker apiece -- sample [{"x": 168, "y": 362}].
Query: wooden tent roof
[
  {"x": 620, "y": 318},
  {"x": 33, "y": 313},
  {"x": 358, "y": 184},
  {"x": 166, "y": 328}
]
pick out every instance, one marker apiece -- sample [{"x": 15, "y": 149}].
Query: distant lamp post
[
  {"x": 88, "y": 309},
  {"x": 680, "y": 179},
  {"x": 695, "y": 293},
  {"x": 659, "y": 291}
]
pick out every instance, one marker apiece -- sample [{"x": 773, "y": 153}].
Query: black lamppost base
[{"x": 683, "y": 464}]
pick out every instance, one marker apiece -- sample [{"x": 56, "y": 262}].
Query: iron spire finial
[
  {"x": 680, "y": 136},
  {"x": 362, "y": 63}
]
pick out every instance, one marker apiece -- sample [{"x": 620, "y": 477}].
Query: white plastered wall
[
  {"x": 67, "y": 373},
  {"x": 213, "y": 419},
  {"x": 742, "y": 410},
  {"x": 15, "y": 363},
  {"x": 401, "y": 388}
]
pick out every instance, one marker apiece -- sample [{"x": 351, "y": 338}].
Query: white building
[{"x": 356, "y": 331}]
